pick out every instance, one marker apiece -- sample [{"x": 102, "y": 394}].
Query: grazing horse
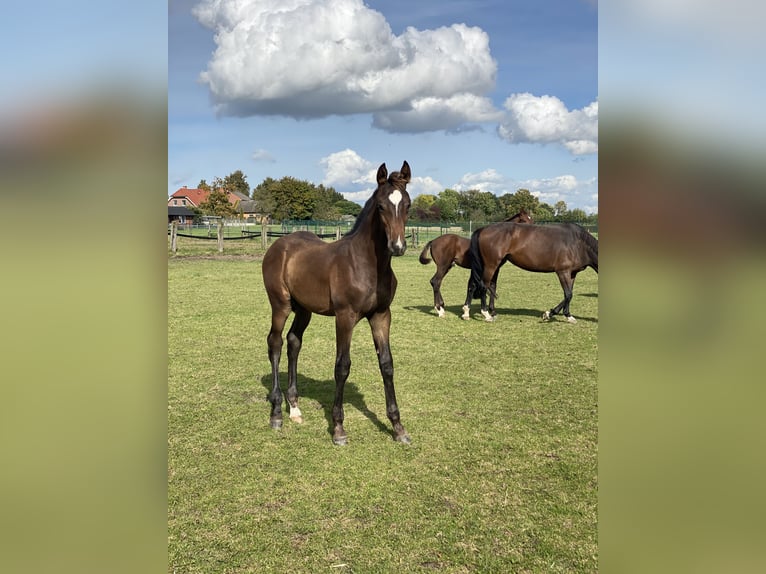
[
  {"x": 350, "y": 279},
  {"x": 449, "y": 250},
  {"x": 561, "y": 248}
]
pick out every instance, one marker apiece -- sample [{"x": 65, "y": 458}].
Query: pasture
[{"x": 501, "y": 475}]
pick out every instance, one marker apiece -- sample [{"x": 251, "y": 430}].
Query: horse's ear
[
  {"x": 382, "y": 174},
  {"x": 405, "y": 171}
]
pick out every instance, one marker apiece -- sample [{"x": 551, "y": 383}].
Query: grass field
[{"x": 502, "y": 473}]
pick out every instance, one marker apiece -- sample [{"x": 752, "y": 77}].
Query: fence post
[
  {"x": 174, "y": 236},
  {"x": 337, "y": 233},
  {"x": 264, "y": 234},
  {"x": 220, "y": 235}
]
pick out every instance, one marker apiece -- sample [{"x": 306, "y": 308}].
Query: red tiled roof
[{"x": 197, "y": 196}]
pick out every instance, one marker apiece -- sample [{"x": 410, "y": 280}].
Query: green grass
[{"x": 502, "y": 472}]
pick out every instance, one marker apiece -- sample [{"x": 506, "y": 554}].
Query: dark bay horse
[
  {"x": 350, "y": 279},
  {"x": 449, "y": 250},
  {"x": 561, "y": 248}
]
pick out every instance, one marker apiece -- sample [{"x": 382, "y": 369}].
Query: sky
[{"x": 494, "y": 95}]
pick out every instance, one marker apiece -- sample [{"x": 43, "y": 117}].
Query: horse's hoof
[
  {"x": 571, "y": 319},
  {"x": 403, "y": 438},
  {"x": 440, "y": 311},
  {"x": 487, "y": 317},
  {"x": 298, "y": 419},
  {"x": 276, "y": 424},
  {"x": 340, "y": 440},
  {"x": 546, "y": 316}
]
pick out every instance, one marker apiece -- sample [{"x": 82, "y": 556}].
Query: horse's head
[
  {"x": 524, "y": 217},
  {"x": 393, "y": 205},
  {"x": 521, "y": 217}
]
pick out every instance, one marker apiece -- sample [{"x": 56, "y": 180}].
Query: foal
[
  {"x": 449, "y": 250},
  {"x": 350, "y": 279}
]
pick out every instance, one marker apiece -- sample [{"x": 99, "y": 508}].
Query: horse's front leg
[
  {"x": 344, "y": 327},
  {"x": 380, "y": 324},
  {"x": 567, "y": 284}
]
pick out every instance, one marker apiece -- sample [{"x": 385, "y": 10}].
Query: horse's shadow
[
  {"x": 323, "y": 392},
  {"x": 457, "y": 310}
]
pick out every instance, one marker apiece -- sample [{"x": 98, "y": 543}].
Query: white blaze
[{"x": 395, "y": 198}]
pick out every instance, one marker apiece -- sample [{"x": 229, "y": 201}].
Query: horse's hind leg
[
  {"x": 279, "y": 313},
  {"x": 294, "y": 342},
  {"x": 567, "y": 283},
  {"x": 344, "y": 327},
  {"x": 436, "y": 283},
  {"x": 490, "y": 283}
]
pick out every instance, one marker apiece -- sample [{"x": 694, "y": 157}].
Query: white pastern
[
  {"x": 487, "y": 317},
  {"x": 296, "y": 415},
  {"x": 466, "y": 312},
  {"x": 440, "y": 311},
  {"x": 571, "y": 319},
  {"x": 546, "y": 315}
]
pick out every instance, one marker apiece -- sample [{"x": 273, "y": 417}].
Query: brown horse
[
  {"x": 350, "y": 279},
  {"x": 561, "y": 248},
  {"x": 449, "y": 250}
]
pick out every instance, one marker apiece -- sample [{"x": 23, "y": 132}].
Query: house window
[{"x": 175, "y": 202}]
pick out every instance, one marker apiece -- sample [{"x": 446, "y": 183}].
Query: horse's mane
[
  {"x": 591, "y": 243},
  {"x": 587, "y": 238}
]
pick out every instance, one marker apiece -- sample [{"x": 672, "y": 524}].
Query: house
[
  {"x": 181, "y": 214},
  {"x": 192, "y": 197}
]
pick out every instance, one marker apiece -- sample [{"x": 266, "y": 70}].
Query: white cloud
[
  {"x": 567, "y": 188},
  {"x": 424, "y": 186},
  {"x": 345, "y": 167},
  {"x": 313, "y": 58},
  {"x": 575, "y": 192},
  {"x": 487, "y": 180},
  {"x": 546, "y": 119},
  {"x": 262, "y": 155},
  {"x": 431, "y": 114},
  {"x": 348, "y": 169}
]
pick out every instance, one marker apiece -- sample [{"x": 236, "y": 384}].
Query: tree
[
  {"x": 217, "y": 202},
  {"x": 523, "y": 199},
  {"x": 560, "y": 208},
  {"x": 448, "y": 203},
  {"x": 326, "y": 203},
  {"x": 237, "y": 181},
  {"x": 543, "y": 212},
  {"x": 203, "y": 185},
  {"x": 577, "y": 215},
  {"x": 346, "y": 207}
]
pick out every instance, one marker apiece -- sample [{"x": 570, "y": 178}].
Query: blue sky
[{"x": 492, "y": 95}]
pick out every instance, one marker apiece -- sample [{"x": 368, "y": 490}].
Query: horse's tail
[
  {"x": 591, "y": 248},
  {"x": 423, "y": 254},
  {"x": 477, "y": 266}
]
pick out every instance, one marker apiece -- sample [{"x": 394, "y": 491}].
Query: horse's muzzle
[{"x": 397, "y": 248}]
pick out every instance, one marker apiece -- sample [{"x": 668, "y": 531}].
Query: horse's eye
[{"x": 381, "y": 207}]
